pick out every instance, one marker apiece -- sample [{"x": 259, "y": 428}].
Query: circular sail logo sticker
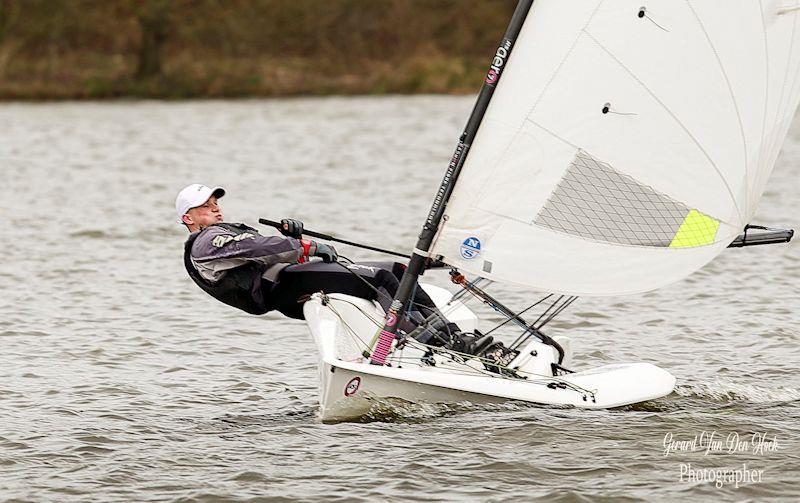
[
  {"x": 470, "y": 248},
  {"x": 352, "y": 386}
]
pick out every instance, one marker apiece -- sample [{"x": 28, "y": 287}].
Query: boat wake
[
  {"x": 395, "y": 410},
  {"x": 728, "y": 391}
]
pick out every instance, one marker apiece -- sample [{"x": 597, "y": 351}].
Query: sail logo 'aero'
[{"x": 497, "y": 63}]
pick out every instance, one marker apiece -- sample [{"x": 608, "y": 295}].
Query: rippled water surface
[{"x": 121, "y": 380}]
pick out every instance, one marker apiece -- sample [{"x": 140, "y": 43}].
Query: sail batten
[{"x": 624, "y": 148}]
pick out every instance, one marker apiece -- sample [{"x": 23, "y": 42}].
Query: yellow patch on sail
[{"x": 696, "y": 230}]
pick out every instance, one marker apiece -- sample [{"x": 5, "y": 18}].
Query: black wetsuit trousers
[{"x": 368, "y": 280}]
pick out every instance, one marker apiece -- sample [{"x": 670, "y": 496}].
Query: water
[{"x": 121, "y": 381}]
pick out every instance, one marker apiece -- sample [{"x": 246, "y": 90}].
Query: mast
[{"x": 417, "y": 263}]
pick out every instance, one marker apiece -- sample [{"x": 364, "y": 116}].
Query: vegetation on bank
[{"x": 60, "y": 49}]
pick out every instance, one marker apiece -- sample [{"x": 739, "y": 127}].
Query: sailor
[{"x": 236, "y": 265}]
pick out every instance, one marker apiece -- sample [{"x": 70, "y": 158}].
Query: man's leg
[
  {"x": 296, "y": 283},
  {"x": 372, "y": 280},
  {"x": 423, "y": 309},
  {"x": 421, "y": 301}
]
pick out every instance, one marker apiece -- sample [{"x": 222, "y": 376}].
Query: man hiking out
[{"x": 235, "y": 264}]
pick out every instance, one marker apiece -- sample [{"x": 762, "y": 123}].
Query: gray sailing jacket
[{"x": 216, "y": 250}]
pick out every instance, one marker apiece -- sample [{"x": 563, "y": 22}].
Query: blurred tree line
[{"x": 197, "y": 48}]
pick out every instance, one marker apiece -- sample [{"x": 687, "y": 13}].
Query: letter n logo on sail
[{"x": 470, "y": 248}]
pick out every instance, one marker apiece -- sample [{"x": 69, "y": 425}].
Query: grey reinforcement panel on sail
[{"x": 595, "y": 201}]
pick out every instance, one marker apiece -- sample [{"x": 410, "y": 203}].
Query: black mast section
[{"x": 418, "y": 258}]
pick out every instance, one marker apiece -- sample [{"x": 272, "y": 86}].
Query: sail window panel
[
  {"x": 639, "y": 138},
  {"x": 696, "y": 230},
  {"x": 624, "y": 211}
]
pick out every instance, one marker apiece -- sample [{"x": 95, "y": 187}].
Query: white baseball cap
[{"x": 194, "y": 195}]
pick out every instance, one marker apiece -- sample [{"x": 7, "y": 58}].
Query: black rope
[
  {"x": 558, "y": 311},
  {"x": 546, "y": 311},
  {"x": 464, "y": 290},
  {"x": 347, "y": 259},
  {"x": 534, "y": 329},
  {"x": 519, "y": 314}
]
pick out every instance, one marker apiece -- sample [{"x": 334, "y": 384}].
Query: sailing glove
[
  {"x": 292, "y": 228},
  {"x": 313, "y": 249}
]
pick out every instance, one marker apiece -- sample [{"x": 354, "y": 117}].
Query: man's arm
[{"x": 218, "y": 244}]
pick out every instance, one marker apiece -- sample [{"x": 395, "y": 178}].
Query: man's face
[{"x": 204, "y": 215}]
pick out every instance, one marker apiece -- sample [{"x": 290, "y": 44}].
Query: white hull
[
  {"x": 376, "y": 389},
  {"x": 350, "y": 386}
]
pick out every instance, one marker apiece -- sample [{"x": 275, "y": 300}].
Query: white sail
[{"x": 627, "y": 143}]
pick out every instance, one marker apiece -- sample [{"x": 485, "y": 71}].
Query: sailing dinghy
[{"x": 614, "y": 148}]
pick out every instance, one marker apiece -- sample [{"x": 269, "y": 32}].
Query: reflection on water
[{"x": 120, "y": 380}]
